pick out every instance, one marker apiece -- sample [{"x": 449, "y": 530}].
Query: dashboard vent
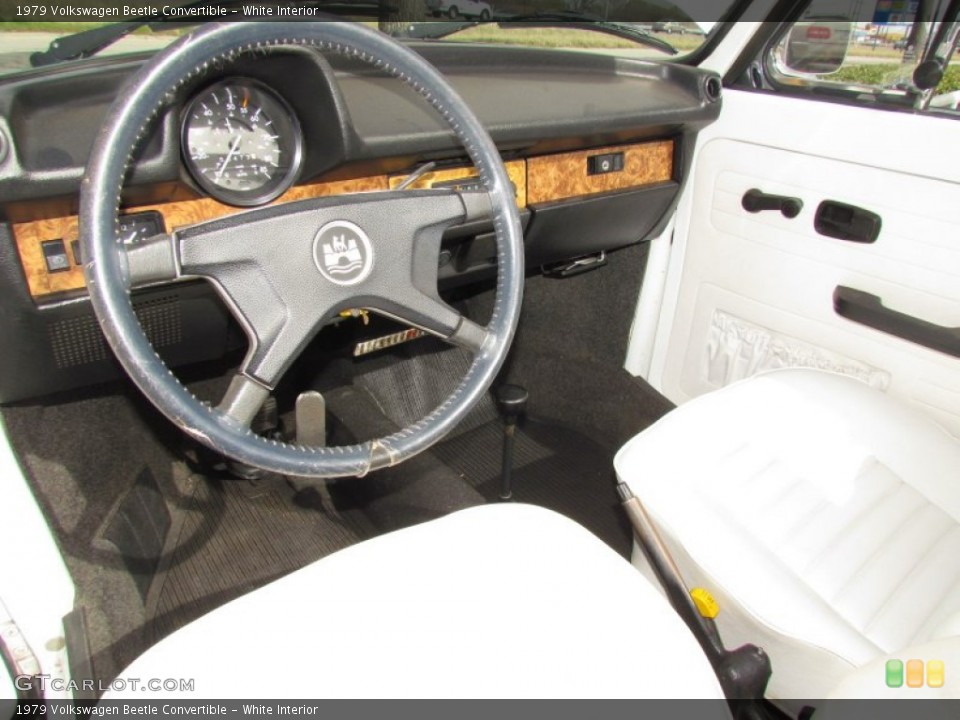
[
  {"x": 79, "y": 341},
  {"x": 712, "y": 88}
]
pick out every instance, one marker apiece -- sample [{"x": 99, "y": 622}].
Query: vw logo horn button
[{"x": 343, "y": 253}]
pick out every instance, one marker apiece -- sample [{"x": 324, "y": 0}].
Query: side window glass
[{"x": 883, "y": 57}]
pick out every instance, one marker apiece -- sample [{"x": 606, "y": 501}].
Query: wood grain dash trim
[
  {"x": 538, "y": 180},
  {"x": 29, "y": 236},
  {"x": 561, "y": 177}
]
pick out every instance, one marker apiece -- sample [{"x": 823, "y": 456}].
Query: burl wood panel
[
  {"x": 516, "y": 171},
  {"x": 537, "y": 180},
  {"x": 564, "y": 176},
  {"x": 30, "y": 235}
]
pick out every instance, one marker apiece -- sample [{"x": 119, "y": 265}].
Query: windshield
[
  {"x": 39, "y": 35},
  {"x": 609, "y": 37}
]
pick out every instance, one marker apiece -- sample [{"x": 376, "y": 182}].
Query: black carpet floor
[
  {"x": 567, "y": 469},
  {"x": 554, "y": 466},
  {"x": 235, "y": 536}
]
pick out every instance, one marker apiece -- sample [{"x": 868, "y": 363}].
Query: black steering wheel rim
[{"x": 107, "y": 273}]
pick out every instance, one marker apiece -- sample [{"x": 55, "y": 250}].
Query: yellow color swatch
[{"x": 935, "y": 673}]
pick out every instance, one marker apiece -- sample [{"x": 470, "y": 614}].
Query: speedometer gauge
[{"x": 241, "y": 142}]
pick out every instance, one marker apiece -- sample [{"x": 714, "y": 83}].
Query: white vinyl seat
[
  {"x": 497, "y": 601},
  {"x": 823, "y": 515}
]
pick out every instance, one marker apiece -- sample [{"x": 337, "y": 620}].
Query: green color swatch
[{"x": 894, "y": 673}]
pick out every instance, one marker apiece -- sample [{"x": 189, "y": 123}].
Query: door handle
[
  {"x": 846, "y": 222},
  {"x": 755, "y": 201},
  {"x": 866, "y": 309}
]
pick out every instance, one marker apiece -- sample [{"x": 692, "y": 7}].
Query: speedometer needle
[{"x": 230, "y": 154}]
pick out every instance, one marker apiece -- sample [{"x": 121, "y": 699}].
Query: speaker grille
[
  {"x": 79, "y": 341},
  {"x": 160, "y": 318}
]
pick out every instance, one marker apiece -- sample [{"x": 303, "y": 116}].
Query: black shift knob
[{"x": 512, "y": 400}]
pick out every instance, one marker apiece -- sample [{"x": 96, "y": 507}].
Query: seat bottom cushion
[
  {"x": 504, "y": 600},
  {"x": 822, "y": 514}
]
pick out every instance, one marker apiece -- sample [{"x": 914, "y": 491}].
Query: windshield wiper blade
[
  {"x": 87, "y": 43},
  {"x": 585, "y": 21},
  {"x": 434, "y": 29},
  {"x": 544, "y": 19}
]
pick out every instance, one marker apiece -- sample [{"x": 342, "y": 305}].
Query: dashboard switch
[
  {"x": 606, "y": 163},
  {"x": 55, "y": 256}
]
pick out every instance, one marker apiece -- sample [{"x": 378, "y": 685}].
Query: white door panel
[{"x": 748, "y": 292}]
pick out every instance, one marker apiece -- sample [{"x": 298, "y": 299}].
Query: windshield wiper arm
[
  {"x": 545, "y": 19},
  {"x": 85, "y": 43}
]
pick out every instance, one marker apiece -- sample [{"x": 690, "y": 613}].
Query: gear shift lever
[{"x": 512, "y": 401}]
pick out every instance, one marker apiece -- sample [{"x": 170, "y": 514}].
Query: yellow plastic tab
[{"x": 705, "y": 603}]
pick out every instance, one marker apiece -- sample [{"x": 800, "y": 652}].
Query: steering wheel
[{"x": 271, "y": 267}]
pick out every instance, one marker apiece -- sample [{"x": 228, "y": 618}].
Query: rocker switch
[
  {"x": 606, "y": 163},
  {"x": 55, "y": 256}
]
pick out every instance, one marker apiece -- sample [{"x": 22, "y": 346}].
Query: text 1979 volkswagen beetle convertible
[{"x": 530, "y": 357}]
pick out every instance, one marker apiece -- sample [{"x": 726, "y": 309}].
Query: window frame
[{"x": 759, "y": 58}]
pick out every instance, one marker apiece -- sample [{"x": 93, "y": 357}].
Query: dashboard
[{"x": 596, "y": 148}]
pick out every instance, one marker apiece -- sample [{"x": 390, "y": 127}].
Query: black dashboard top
[{"x": 531, "y": 100}]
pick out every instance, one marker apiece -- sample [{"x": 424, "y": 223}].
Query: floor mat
[
  {"x": 554, "y": 466},
  {"x": 235, "y": 536}
]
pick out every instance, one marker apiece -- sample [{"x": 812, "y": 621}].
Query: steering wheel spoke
[
  {"x": 436, "y": 317},
  {"x": 471, "y": 336},
  {"x": 287, "y": 270},
  {"x": 154, "y": 260},
  {"x": 243, "y": 399}
]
